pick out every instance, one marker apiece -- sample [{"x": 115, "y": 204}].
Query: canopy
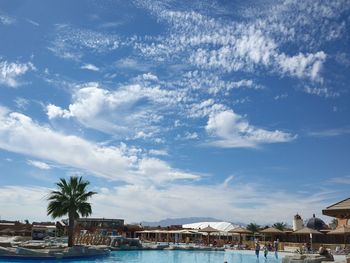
[
  {"x": 208, "y": 229},
  {"x": 240, "y": 230},
  {"x": 307, "y": 231},
  {"x": 340, "y": 231},
  {"x": 339, "y": 210},
  {"x": 272, "y": 230},
  {"x": 221, "y": 226}
]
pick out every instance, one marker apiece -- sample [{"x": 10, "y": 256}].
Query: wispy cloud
[
  {"x": 21, "y": 103},
  {"x": 90, "y": 67},
  {"x": 211, "y": 43},
  {"x": 321, "y": 92},
  {"x": 70, "y": 41},
  {"x": 32, "y": 22},
  {"x": 39, "y": 164},
  {"x": 158, "y": 152},
  {"x": 6, "y": 20},
  {"x": 340, "y": 180},
  {"x": 10, "y": 72},
  {"x": 330, "y": 132}
]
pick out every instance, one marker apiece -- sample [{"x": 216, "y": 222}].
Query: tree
[
  {"x": 280, "y": 226},
  {"x": 253, "y": 227},
  {"x": 70, "y": 199}
]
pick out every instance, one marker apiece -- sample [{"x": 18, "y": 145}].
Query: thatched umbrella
[
  {"x": 307, "y": 231},
  {"x": 272, "y": 231},
  {"x": 208, "y": 230},
  {"x": 240, "y": 231},
  {"x": 7, "y": 231},
  {"x": 341, "y": 230}
]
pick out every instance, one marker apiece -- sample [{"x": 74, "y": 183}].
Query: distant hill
[{"x": 182, "y": 221}]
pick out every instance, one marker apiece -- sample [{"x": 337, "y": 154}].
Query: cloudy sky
[{"x": 237, "y": 110}]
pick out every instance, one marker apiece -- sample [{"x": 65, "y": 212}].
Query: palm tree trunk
[{"x": 70, "y": 230}]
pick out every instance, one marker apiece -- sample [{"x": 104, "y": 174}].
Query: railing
[{"x": 92, "y": 240}]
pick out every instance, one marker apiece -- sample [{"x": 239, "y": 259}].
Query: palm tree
[
  {"x": 280, "y": 226},
  {"x": 253, "y": 227},
  {"x": 70, "y": 199}
]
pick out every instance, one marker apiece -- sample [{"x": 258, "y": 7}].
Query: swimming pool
[{"x": 173, "y": 256}]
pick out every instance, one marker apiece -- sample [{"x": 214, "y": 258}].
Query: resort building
[
  {"x": 41, "y": 231},
  {"x": 105, "y": 227},
  {"x": 341, "y": 211},
  {"x": 14, "y": 228},
  {"x": 297, "y": 222}
]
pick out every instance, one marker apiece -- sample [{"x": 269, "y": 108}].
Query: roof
[
  {"x": 209, "y": 229},
  {"x": 340, "y": 230},
  {"x": 240, "y": 230},
  {"x": 340, "y": 209},
  {"x": 221, "y": 226},
  {"x": 316, "y": 223},
  {"x": 306, "y": 231},
  {"x": 271, "y": 230},
  {"x": 86, "y": 219}
]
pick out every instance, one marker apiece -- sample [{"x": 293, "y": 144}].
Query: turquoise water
[{"x": 172, "y": 256}]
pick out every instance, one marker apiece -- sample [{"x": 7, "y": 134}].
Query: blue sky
[{"x": 237, "y": 110}]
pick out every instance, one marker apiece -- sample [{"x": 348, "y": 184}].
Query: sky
[{"x": 237, "y": 110}]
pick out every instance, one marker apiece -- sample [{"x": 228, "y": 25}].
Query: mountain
[{"x": 181, "y": 221}]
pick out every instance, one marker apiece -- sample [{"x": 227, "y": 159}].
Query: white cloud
[
  {"x": 23, "y": 202},
  {"x": 39, "y": 165},
  {"x": 330, "y": 132},
  {"x": 212, "y": 84},
  {"x": 281, "y": 96},
  {"x": 33, "y": 22},
  {"x": 321, "y": 92},
  {"x": 303, "y": 66},
  {"x": 54, "y": 111},
  {"x": 227, "y": 46},
  {"x": 70, "y": 41},
  {"x": 6, "y": 20},
  {"x": 158, "y": 152},
  {"x": 340, "y": 180},
  {"x": 205, "y": 108},
  {"x": 132, "y": 64},
  {"x": 190, "y": 136},
  {"x": 231, "y": 130},
  {"x": 90, "y": 67},
  {"x": 233, "y": 201},
  {"x": 21, "y": 103},
  {"x": 20, "y": 134},
  {"x": 10, "y": 72},
  {"x": 132, "y": 111}
]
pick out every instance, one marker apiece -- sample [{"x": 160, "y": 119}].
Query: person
[
  {"x": 269, "y": 247},
  {"x": 308, "y": 247},
  {"x": 275, "y": 246},
  {"x": 266, "y": 250},
  {"x": 257, "y": 249},
  {"x": 324, "y": 252}
]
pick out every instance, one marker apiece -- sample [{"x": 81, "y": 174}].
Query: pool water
[{"x": 173, "y": 256}]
